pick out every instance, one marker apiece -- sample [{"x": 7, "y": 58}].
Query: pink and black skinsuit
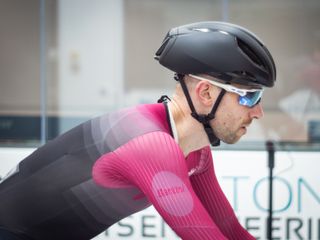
[{"x": 108, "y": 168}]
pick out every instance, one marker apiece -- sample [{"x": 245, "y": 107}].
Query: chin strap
[{"x": 202, "y": 118}]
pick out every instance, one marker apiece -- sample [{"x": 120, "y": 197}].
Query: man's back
[{"x": 51, "y": 195}]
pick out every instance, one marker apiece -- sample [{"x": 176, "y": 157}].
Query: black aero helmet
[{"x": 222, "y": 50}]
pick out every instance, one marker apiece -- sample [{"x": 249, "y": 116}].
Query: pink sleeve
[
  {"x": 206, "y": 186},
  {"x": 155, "y": 164}
]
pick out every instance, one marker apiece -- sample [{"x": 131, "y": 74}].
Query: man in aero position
[{"x": 81, "y": 183}]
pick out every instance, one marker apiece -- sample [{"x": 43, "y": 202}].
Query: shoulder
[
  {"x": 152, "y": 148},
  {"x": 113, "y": 130},
  {"x": 146, "y": 155},
  {"x": 156, "y": 146}
]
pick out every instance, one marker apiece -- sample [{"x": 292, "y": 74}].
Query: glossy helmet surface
[{"x": 225, "y": 51}]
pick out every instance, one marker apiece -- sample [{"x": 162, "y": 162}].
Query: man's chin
[
  {"x": 231, "y": 141},
  {"x": 233, "y": 138}
]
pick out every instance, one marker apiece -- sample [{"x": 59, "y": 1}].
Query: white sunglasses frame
[{"x": 228, "y": 87}]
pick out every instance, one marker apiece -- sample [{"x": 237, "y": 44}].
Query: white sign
[{"x": 243, "y": 176}]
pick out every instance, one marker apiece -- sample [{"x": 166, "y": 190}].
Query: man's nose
[{"x": 256, "y": 111}]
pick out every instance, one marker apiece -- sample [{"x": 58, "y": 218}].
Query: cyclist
[{"x": 103, "y": 170}]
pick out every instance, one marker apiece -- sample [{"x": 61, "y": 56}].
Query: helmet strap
[{"x": 202, "y": 118}]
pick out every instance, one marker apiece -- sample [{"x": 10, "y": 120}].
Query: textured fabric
[
  {"x": 206, "y": 186},
  {"x": 103, "y": 170},
  {"x": 155, "y": 164},
  {"x": 6, "y": 235}
]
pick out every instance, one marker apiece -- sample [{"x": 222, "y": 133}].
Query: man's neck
[{"x": 191, "y": 135}]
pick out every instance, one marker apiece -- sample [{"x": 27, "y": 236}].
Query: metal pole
[
  {"x": 43, "y": 73},
  {"x": 225, "y": 10},
  {"x": 270, "y": 149}
]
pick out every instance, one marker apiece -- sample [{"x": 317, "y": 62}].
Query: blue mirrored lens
[{"x": 250, "y": 99}]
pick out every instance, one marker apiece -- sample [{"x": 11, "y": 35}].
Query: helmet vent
[
  {"x": 249, "y": 52},
  {"x": 243, "y": 74},
  {"x": 160, "y": 50}
]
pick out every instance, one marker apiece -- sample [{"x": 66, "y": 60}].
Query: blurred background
[{"x": 63, "y": 62}]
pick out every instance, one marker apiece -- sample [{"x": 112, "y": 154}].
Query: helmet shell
[{"x": 225, "y": 51}]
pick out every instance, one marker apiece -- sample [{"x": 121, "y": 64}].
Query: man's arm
[
  {"x": 206, "y": 186},
  {"x": 155, "y": 164}
]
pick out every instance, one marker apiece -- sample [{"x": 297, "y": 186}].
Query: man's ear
[{"x": 205, "y": 93}]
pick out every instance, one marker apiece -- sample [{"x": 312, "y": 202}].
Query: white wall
[
  {"x": 90, "y": 55},
  {"x": 10, "y": 157}
]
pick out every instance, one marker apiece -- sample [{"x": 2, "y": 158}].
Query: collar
[
  {"x": 165, "y": 99},
  {"x": 173, "y": 125}
]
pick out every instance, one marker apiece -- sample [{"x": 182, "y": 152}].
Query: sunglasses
[{"x": 247, "y": 97}]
